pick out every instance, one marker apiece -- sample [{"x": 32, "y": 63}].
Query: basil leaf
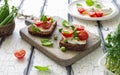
[
  {"x": 98, "y": 6},
  {"x": 43, "y": 18},
  {"x": 42, "y": 68},
  {"x": 75, "y": 34},
  {"x": 89, "y": 2},
  {"x": 46, "y": 42},
  {"x": 52, "y": 20},
  {"x": 66, "y": 23},
  {"x": 35, "y": 29},
  {"x": 78, "y": 4},
  {"x": 73, "y": 27}
]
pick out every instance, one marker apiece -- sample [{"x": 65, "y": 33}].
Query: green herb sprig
[
  {"x": 113, "y": 51},
  {"x": 98, "y": 6},
  {"x": 66, "y": 23},
  {"x": 35, "y": 29},
  {"x": 43, "y": 18},
  {"x": 47, "y": 42},
  {"x": 78, "y": 5},
  {"x": 42, "y": 68},
  {"x": 90, "y": 2},
  {"x": 52, "y": 20}
]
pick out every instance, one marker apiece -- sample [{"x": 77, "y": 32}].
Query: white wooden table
[{"x": 9, "y": 65}]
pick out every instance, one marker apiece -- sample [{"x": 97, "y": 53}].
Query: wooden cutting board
[{"x": 62, "y": 58}]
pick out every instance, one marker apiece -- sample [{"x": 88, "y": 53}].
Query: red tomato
[
  {"x": 67, "y": 33},
  {"x": 81, "y": 10},
  {"x": 83, "y": 35},
  {"x": 20, "y": 54},
  {"x": 46, "y": 25},
  {"x": 38, "y": 23},
  {"x": 49, "y": 18},
  {"x": 79, "y": 27},
  {"x": 92, "y": 14},
  {"x": 99, "y": 13}
]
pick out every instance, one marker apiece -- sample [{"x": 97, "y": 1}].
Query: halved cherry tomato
[
  {"x": 20, "y": 54},
  {"x": 49, "y": 18},
  {"x": 67, "y": 33},
  {"x": 79, "y": 27},
  {"x": 81, "y": 10},
  {"x": 46, "y": 25},
  {"x": 83, "y": 35},
  {"x": 99, "y": 13},
  {"x": 38, "y": 23},
  {"x": 92, "y": 14}
]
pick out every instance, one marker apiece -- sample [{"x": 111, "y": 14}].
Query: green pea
[
  {"x": 63, "y": 49},
  {"x": 60, "y": 29},
  {"x": 55, "y": 37},
  {"x": 65, "y": 40}
]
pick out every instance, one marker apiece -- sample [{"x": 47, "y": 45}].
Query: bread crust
[
  {"x": 74, "y": 47},
  {"x": 42, "y": 34}
]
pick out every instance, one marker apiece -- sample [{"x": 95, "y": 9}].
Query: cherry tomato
[
  {"x": 81, "y": 10},
  {"x": 46, "y": 25},
  {"x": 49, "y": 18},
  {"x": 92, "y": 14},
  {"x": 38, "y": 23},
  {"x": 83, "y": 35},
  {"x": 20, "y": 54},
  {"x": 99, "y": 13},
  {"x": 79, "y": 27},
  {"x": 67, "y": 33}
]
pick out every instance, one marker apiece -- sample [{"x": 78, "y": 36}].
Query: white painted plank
[
  {"x": 32, "y": 7},
  {"x": 89, "y": 64},
  {"x": 111, "y": 24},
  {"x": 57, "y": 8},
  {"x": 9, "y": 64},
  {"x": 29, "y": 7},
  {"x": 42, "y": 60}
]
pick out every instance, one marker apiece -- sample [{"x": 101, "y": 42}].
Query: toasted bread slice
[
  {"x": 41, "y": 33},
  {"x": 75, "y": 47}
]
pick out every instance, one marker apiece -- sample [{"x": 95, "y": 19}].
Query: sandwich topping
[
  {"x": 74, "y": 34},
  {"x": 44, "y": 24}
]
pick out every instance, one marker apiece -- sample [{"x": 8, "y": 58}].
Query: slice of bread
[
  {"x": 41, "y": 33},
  {"x": 74, "y": 47}
]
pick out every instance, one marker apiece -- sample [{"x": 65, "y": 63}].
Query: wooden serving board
[{"x": 62, "y": 58}]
